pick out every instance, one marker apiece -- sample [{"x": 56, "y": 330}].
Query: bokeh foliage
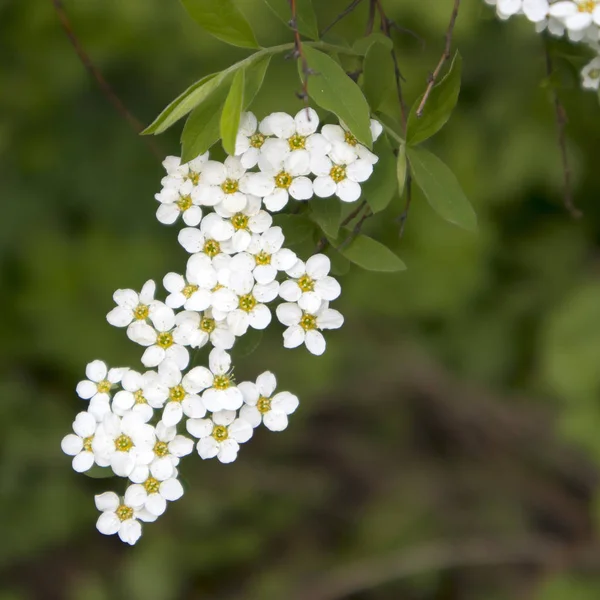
[{"x": 459, "y": 401}]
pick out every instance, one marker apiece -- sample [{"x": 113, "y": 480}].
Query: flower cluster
[
  {"x": 579, "y": 19},
  {"x": 141, "y": 424}
]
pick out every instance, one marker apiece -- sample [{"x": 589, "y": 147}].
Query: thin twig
[
  {"x": 339, "y": 17},
  {"x": 324, "y": 242},
  {"x": 445, "y": 56},
  {"x": 414, "y": 34},
  {"x": 385, "y": 28},
  {"x": 299, "y": 53},
  {"x": 561, "y": 125},
  {"x": 371, "y": 19},
  {"x": 95, "y": 73},
  {"x": 360, "y": 576},
  {"x": 356, "y": 230}
]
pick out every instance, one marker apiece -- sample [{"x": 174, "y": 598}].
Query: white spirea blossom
[
  {"x": 590, "y": 74},
  {"x": 261, "y": 406},
  {"x": 239, "y": 266}
]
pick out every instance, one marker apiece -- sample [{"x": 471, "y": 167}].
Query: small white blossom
[
  {"x": 98, "y": 386},
  {"x": 341, "y": 179},
  {"x": 249, "y": 140},
  {"x": 311, "y": 281},
  {"x": 220, "y": 435},
  {"x": 131, "y": 397},
  {"x": 577, "y": 15},
  {"x": 179, "y": 201},
  {"x": 260, "y": 406},
  {"x": 304, "y": 326},
  {"x": 79, "y": 444},
  {"x": 220, "y": 391},
  {"x": 133, "y": 307},
  {"x": 176, "y": 393},
  {"x": 590, "y": 75},
  {"x": 168, "y": 449},
  {"x": 122, "y": 516},
  {"x": 160, "y": 340},
  {"x": 186, "y": 292},
  {"x": 345, "y": 148},
  {"x": 197, "y": 329},
  {"x": 124, "y": 442},
  {"x": 209, "y": 237},
  {"x": 153, "y": 494},
  {"x": 178, "y": 174}
]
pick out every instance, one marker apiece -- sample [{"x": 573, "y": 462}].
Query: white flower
[
  {"x": 261, "y": 406},
  {"x": 339, "y": 178},
  {"x": 175, "y": 201},
  {"x": 220, "y": 435},
  {"x": 97, "y": 387},
  {"x": 188, "y": 294},
  {"x": 131, "y": 397},
  {"x": 209, "y": 237},
  {"x": 345, "y": 148},
  {"x": 590, "y": 75},
  {"x": 79, "y": 444},
  {"x": 228, "y": 183},
  {"x": 124, "y": 442},
  {"x": 248, "y": 308},
  {"x": 292, "y": 135},
  {"x": 168, "y": 449},
  {"x": 576, "y": 15},
  {"x": 153, "y": 494},
  {"x": 288, "y": 173},
  {"x": 132, "y": 307},
  {"x": 245, "y": 222},
  {"x": 311, "y": 281},
  {"x": 265, "y": 256},
  {"x": 176, "y": 393},
  {"x": 304, "y": 327},
  {"x": 121, "y": 516},
  {"x": 220, "y": 389},
  {"x": 250, "y": 139},
  {"x": 197, "y": 329},
  {"x": 161, "y": 341},
  {"x": 178, "y": 174}
]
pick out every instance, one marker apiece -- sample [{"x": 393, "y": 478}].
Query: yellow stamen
[
  {"x": 283, "y": 180},
  {"x": 141, "y": 312},
  {"x": 247, "y": 302},
  {"x": 263, "y": 405},
  {"x": 297, "y": 142},
  {"x": 338, "y": 173},
  {"x": 230, "y": 186},
  {"x": 306, "y": 283},
  {"x": 220, "y": 433},
  {"x": 177, "y": 393},
  {"x": 124, "y": 513},
  {"x": 308, "y": 322},
  {"x": 257, "y": 140},
  {"x": 189, "y": 289},
  {"x": 184, "y": 203},
  {"x": 211, "y": 248},
  {"x": 103, "y": 386},
  {"x": 123, "y": 443},
  {"x": 164, "y": 340}
]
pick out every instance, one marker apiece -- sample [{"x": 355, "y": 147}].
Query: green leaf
[
  {"x": 439, "y": 106},
  {"x": 97, "y": 472},
  {"x": 232, "y": 110},
  {"x": 362, "y": 45},
  {"x": 380, "y": 188},
  {"x": 296, "y": 228},
  {"x": 255, "y": 76},
  {"x": 184, "y": 103},
  {"x": 441, "y": 188},
  {"x": 222, "y": 19},
  {"x": 370, "y": 254},
  {"x": 401, "y": 168},
  {"x": 331, "y": 88},
  {"x": 327, "y": 213},
  {"x": 202, "y": 127},
  {"x": 378, "y": 74},
  {"x": 305, "y": 16},
  {"x": 340, "y": 265}
]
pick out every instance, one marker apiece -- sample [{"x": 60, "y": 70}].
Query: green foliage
[
  {"x": 331, "y": 88},
  {"x": 441, "y": 188},
  {"x": 362, "y": 45},
  {"x": 368, "y": 253},
  {"x": 305, "y": 15},
  {"x": 439, "y": 106},
  {"x": 381, "y": 187},
  {"x": 222, "y": 19},
  {"x": 378, "y": 73},
  {"x": 327, "y": 214},
  {"x": 401, "y": 168},
  {"x": 97, "y": 472},
  {"x": 297, "y": 228},
  {"x": 232, "y": 111}
]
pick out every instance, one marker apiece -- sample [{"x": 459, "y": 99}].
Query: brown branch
[
  {"x": 299, "y": 54},
  {"x": 385, "y": 28},
  {"x": 324, "y": 242},
  {"x": 561, "y": 126},
  {"x": 357, "y": 227},
  {"x": 103, "y": 84},
  {"x": 435, "y": 556},
  {"x": 445, "y": 56},
  {"x": 371, "y": 19},
  {"x": 339, "y": 17}
]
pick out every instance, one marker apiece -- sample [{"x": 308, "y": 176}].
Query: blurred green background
[{"x": 447, "y": 444}]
